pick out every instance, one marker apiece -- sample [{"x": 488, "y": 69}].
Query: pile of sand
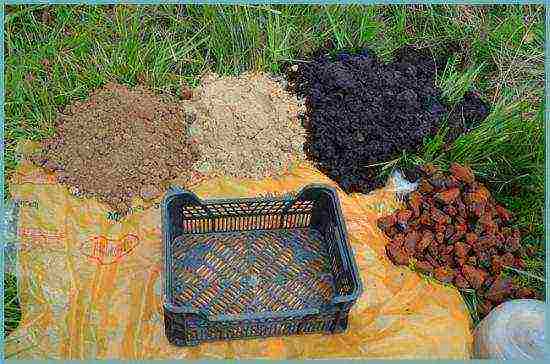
[{"x": 246, "y": 126}]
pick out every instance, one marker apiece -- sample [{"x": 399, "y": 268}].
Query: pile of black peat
[
  {"x": 362, "y": 112},
  {"x": 454, "y": 230}
]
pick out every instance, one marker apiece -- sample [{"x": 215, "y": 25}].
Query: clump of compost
[
  {"x": 119, "y": 144},
  {"x": 246, "y": 126},
  {"x": 453, "y": 229},
  {"x": 362, "y": 113}
]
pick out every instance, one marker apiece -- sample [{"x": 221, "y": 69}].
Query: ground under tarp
[{"x": 77, "y": 305}]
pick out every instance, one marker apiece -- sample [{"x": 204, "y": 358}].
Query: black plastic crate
[{"x": 256, "y": 267}]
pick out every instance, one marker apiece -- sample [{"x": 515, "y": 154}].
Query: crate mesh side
[
  {"x": 260, "y": 328},
  {"x": 233, "y": 216},
  {"x": 342, "y": 277}
]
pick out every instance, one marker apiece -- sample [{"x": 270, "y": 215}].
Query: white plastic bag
[
  {"x": 513, "y": 330},
  {"x": 401, "y": 185}
]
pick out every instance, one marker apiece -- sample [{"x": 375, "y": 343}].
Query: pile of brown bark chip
[
  {"x": 118, "y": 145},
  {"x": 451, "y": 228}
]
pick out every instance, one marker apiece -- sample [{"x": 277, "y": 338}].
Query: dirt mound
[
  {"x": 362, "y": 113},
  {"x": 454, "y": 230},
  {"x": 119, "y": 144},
  {"x": 246, "y": 126}
]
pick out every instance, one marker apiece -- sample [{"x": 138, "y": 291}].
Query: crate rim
[{"x": 176, "y": 191}]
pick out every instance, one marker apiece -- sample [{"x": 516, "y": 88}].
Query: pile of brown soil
[
  {"x": 119, "y": 144},
  {"x": 453, "y": 229},
  {"x": 246, "y": 126}
]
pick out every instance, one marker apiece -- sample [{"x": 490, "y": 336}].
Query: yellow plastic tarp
[{"x": 79, "y": 304}]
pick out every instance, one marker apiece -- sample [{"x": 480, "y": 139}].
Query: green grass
[
  {"x": 12, "y": 312},
  {"x": 58, "y": 54}
]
